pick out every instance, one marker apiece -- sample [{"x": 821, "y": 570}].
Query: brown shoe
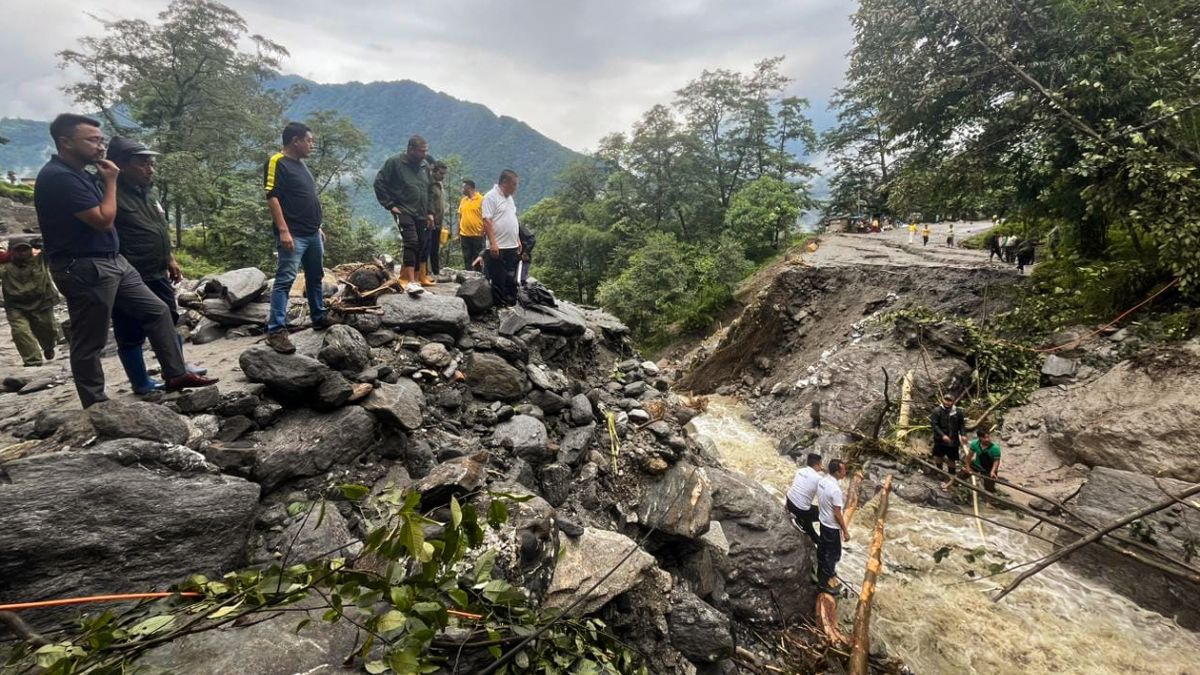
[
  {"x": 190, "y": 381},
  {"x": 423, "y": 276},
  {"x": 280, "y": 342}
]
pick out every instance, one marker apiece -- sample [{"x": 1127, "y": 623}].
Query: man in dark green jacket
[
  {"x": 145, "y": 242},
  {"x": 29, "y": 299},
  {"x": 404, "y": 186}
]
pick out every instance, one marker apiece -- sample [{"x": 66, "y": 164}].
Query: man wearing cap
[
  {"x": 145, "y": 242},
  {"x": 76, "y": 216},
  {"x": 29, "y": 299}
]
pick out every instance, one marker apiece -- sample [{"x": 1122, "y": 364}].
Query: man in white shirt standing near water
[
  {"x": 800, "y": 496},
  {"x": 503, "y": 236},
  {"x": 833, "y": 525}
]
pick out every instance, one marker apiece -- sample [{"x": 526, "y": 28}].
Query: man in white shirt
[
  {"x": 833, "y": 525},
  {"x": 800, "y": 496},
  {"x": 503, "y": 235}
]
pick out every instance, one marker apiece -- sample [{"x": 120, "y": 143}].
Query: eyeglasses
[{"x": 94, "y": 140}]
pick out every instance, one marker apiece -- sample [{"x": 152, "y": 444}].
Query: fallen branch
[
  {"x": 861, "y": 640},
  {"x": 1095, "y": 536}
]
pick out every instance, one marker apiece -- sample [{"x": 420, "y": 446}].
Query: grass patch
[{"x": 22, "y": 194}]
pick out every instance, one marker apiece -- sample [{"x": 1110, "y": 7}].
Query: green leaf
[
  {"x": 413, "y": 539},
  {"x": 497, "y": 513},
  {"x": 354, "y": 492},
  {"x": 460, "y": 598},
  {"x": 522, "y": 660},
  {"x": 484, "y": 566},
  {"x": 376, "y": 667},
  {"x": 152, "y": 625},
  {"x": 295, "y": 508},
  {"x": 225, "y": 611},
  {"x": 405, "y": 661},
  {"x": 300, "y": 626},
  {"x": 455, "y": 512},
  {"x": 391, "y": 620}
]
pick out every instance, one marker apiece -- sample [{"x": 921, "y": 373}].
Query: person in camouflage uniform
[{"x": 29, "y": 299}]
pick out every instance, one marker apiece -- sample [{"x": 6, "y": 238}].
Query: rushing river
[{"x": 938, "y": 620}]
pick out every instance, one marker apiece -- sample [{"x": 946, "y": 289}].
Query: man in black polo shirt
[
  {"x": 296, "y": 211},
  {"x": 76, "y": 218},
  {"x": 145, "y": 241}
]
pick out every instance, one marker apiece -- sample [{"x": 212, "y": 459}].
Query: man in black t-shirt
[
  {"x": 299, "y": 240},
  {"x": 76, "y": 218}
]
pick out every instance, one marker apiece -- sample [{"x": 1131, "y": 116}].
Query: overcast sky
[{"x": 572, "y": 69}]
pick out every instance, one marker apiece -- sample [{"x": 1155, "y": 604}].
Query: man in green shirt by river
[
  {"x": 29, "y": 299},
  {"x": 985, "y": 458}
]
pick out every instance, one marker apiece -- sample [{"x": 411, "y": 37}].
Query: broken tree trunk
[
  {"x": 861, "y": 639},
  {"x": 1093, "y": 537},
  {"x": 852, "y": 499}
]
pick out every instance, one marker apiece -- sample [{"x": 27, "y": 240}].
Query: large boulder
[
  {"x": 584, "y": 561},
  {"x": 1110, "y": 494},
  {"x": 115, "y": 419},
  {"x": 526, "y": 436},
  {"x": 238, "y": 287},
  {"x": 320, "y": 534},
  {"x": 565, "y": 319},
  {"x": 427, "y": 314},
  {"x": 477, "y": 293},
  {"x": 125, "y": 516},
  {"x": 291, "y": 377},
  {"x": 1129, "y": 418},
  {"x": 308, "y": 444},
  {"x": 253, "y": 314},
  {"x": 769, "y": 564},
  {"x": 698, "y": 630},
  {"x": 491, "y": 378},
  {"x": 400, "y": 405},
  {"x": 679, "y": 503},
  {"x": 344, "y": 348}
]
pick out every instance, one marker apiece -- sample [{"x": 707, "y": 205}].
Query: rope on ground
[
  {"x": 1078, "y": 341},
  {"x": 60, "y": 602}
]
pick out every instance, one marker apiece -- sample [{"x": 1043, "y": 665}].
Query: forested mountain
[{"x": 388, "y": 112}]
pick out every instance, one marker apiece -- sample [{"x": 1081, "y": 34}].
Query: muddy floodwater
[{"x": 939, "y": 619}]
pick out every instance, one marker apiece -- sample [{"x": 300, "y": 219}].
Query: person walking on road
[
  {"x": 834, "y": 530},
  {"x": 29, "y": 299},
  {"x": 145, "y": 238},
  {"x": 800, "y": 497},
  {"x": 76, "y": 217},
  {"x": 404, "y": 186},
  {"x": 912, "y": 232},
  {"x": 985, "y": 458},
  {"x": 947, "y": 421},
  {"x": 950, "y": 235},
  {"x": 299, "y": 240},
  {"x": 925, "y": 234}
]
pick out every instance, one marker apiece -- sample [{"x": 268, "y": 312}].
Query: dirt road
[{"x": 892, "y": 249}]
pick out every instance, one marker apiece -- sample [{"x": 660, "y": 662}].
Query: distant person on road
[
  {"x": 470, "y": 223},
  {"x": 1025, "y": 254},
  {"x": 947, "y": 422},
  {"x": 29, "y": 299},
  {"x": 994, "y": 248},
  {"x": 950, "y": 235},
  {"x": 299, "y": 240},
  {"x": 404, "y": 186},
  {"x": 912, "y": 232},
  {"x": 985, "y": 458},
  {"x": 146, "y": 243},
  {"x": 801, "y": 494},
  {"x": 76, "y": 216},
  {"x": 833, "y": 524},
  {"x": 1010, "y": 248},
  {"x": 925, "y": 234},
  {"x": 1054, "y": 238},
  {"x": 504, "y": 238}
]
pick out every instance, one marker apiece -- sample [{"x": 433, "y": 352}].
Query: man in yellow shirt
[
  {"x": 470, "y": 223},
  {"x": 912, "y": 232}
]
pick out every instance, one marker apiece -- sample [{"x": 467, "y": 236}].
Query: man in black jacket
[{"x": 946, "y": 421}]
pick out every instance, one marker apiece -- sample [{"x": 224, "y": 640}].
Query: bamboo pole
[
  {"x": 861, "y": 638},
  {"x": 852, "y": 500},
  {"x": 1115, "y": 525}
]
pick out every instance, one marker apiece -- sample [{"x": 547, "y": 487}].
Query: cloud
[{"x": 573, "y": 70}]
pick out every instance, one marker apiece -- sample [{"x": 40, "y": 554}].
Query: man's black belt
[{"x": 76, "y": 256}]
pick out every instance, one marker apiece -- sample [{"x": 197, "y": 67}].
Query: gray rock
[
  {"x": 333, "y": 392},
  {"x": 639, "y": 416},
  {"x": 660, "y": 429},
  {"x": 698, "y": 630},
  {"x": 476, "y": 292},
  {"x": 547, "y": 401},
  {"x": 319, "y": 535},
  {"x": 565, "y": 319},
  {"x": 435, "y": 355},
  {"x": 490, "y": 377},
  {"x": 364, "y": 323},
  {"x": 69, "y": 521},
  {"x": 253, "y": 314},
  {"x": 586, "y": 560},
  {"x": 398, "y": 405},
  {"x": 635, "y": 389},
  {"x": 240, "y": 402},
  {"x": 238, "y": 287},
  {"x": 426, "y": 314},
  {"x": 381, "y": 337},
  {"x": 454, "y": 477},
  {"x": 291, "y": 377},
  {"x": 308, "y": 444},
  {"x": 233, "y": 428},
  {"x": 114, "y": 419},
  {"x": 207, "y": 331},
  {"x": 581, "y": 409},
  {"x": 575, "y": 443},
  {"x": 526, "y": 436},
  {"x": 344, "y": 348},
  {"x": 198, "y": 400},
  {"x": 1057, "y": 366},
  {"x": 556, "y": 483},
  {"x": 679, "y": 503},
  {"x": 546, "y": 378}
]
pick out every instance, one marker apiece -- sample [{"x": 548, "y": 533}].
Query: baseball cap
[{"x": 121, "y": 149}]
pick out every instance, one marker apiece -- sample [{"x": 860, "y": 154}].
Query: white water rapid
[{"x": 937, "y": 620}]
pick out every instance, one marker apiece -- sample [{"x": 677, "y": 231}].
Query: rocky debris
[
  {"x": 238, "y": 288},
  {"x": 490, "y": 377},
  {"x": 1110, "y": 494},
  {"x": 114, "y": 419},
  {"x": 253, "y": 314},
  {"x": 476, "y": 292},
  {"x": 323, "y": 533},
  {"x": 679, "y": 503},
  {"x": 345, "y": 349},
  {"x": 429, "y": 313},
  {"x": 200, "y": 400},
  {"x": 698, "y": 630},
  {"x": 206, "y": 331},
  {"x": 125, "y": 516},
  {"x": 435, "y": 355},
  {"x": 1059, "y": 370},
  {"x": 309, "y": 444},
  {"x": 565, "y": 319},
  {"x": 454, "y": 477},
  {"x": 525, "y": 436},
  {"x": 585, "y": 560},
  {"x": 289, "y": 377},
  {"x": 399, "y": 405},
  {"x": 575, "y": 443}
]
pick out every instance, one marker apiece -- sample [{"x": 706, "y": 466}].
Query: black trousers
[
  {"x": 93, "y": 287},
  {"x": 411, "y": 238},
  {"x": 829, "y": 552},
  {"x": 805, "y": 518},
  {"x": 502, "y": 273},
  {"x": 433, "y": 250},
  {"x": 471, "y": 248},
  {"x": 128, "y": 330}
]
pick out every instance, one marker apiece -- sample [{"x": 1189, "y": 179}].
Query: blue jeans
[{"x": 308, "y": 252}]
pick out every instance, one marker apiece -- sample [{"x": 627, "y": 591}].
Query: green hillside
[{"x": 28, "y": 146}]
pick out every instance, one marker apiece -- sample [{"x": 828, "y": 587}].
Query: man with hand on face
[
  {"x": 76, "y": 217},
  {"x": 145, "y": 242},
  {"x": 404, "y": 186},
  {"x": 296, "y": 212}
]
